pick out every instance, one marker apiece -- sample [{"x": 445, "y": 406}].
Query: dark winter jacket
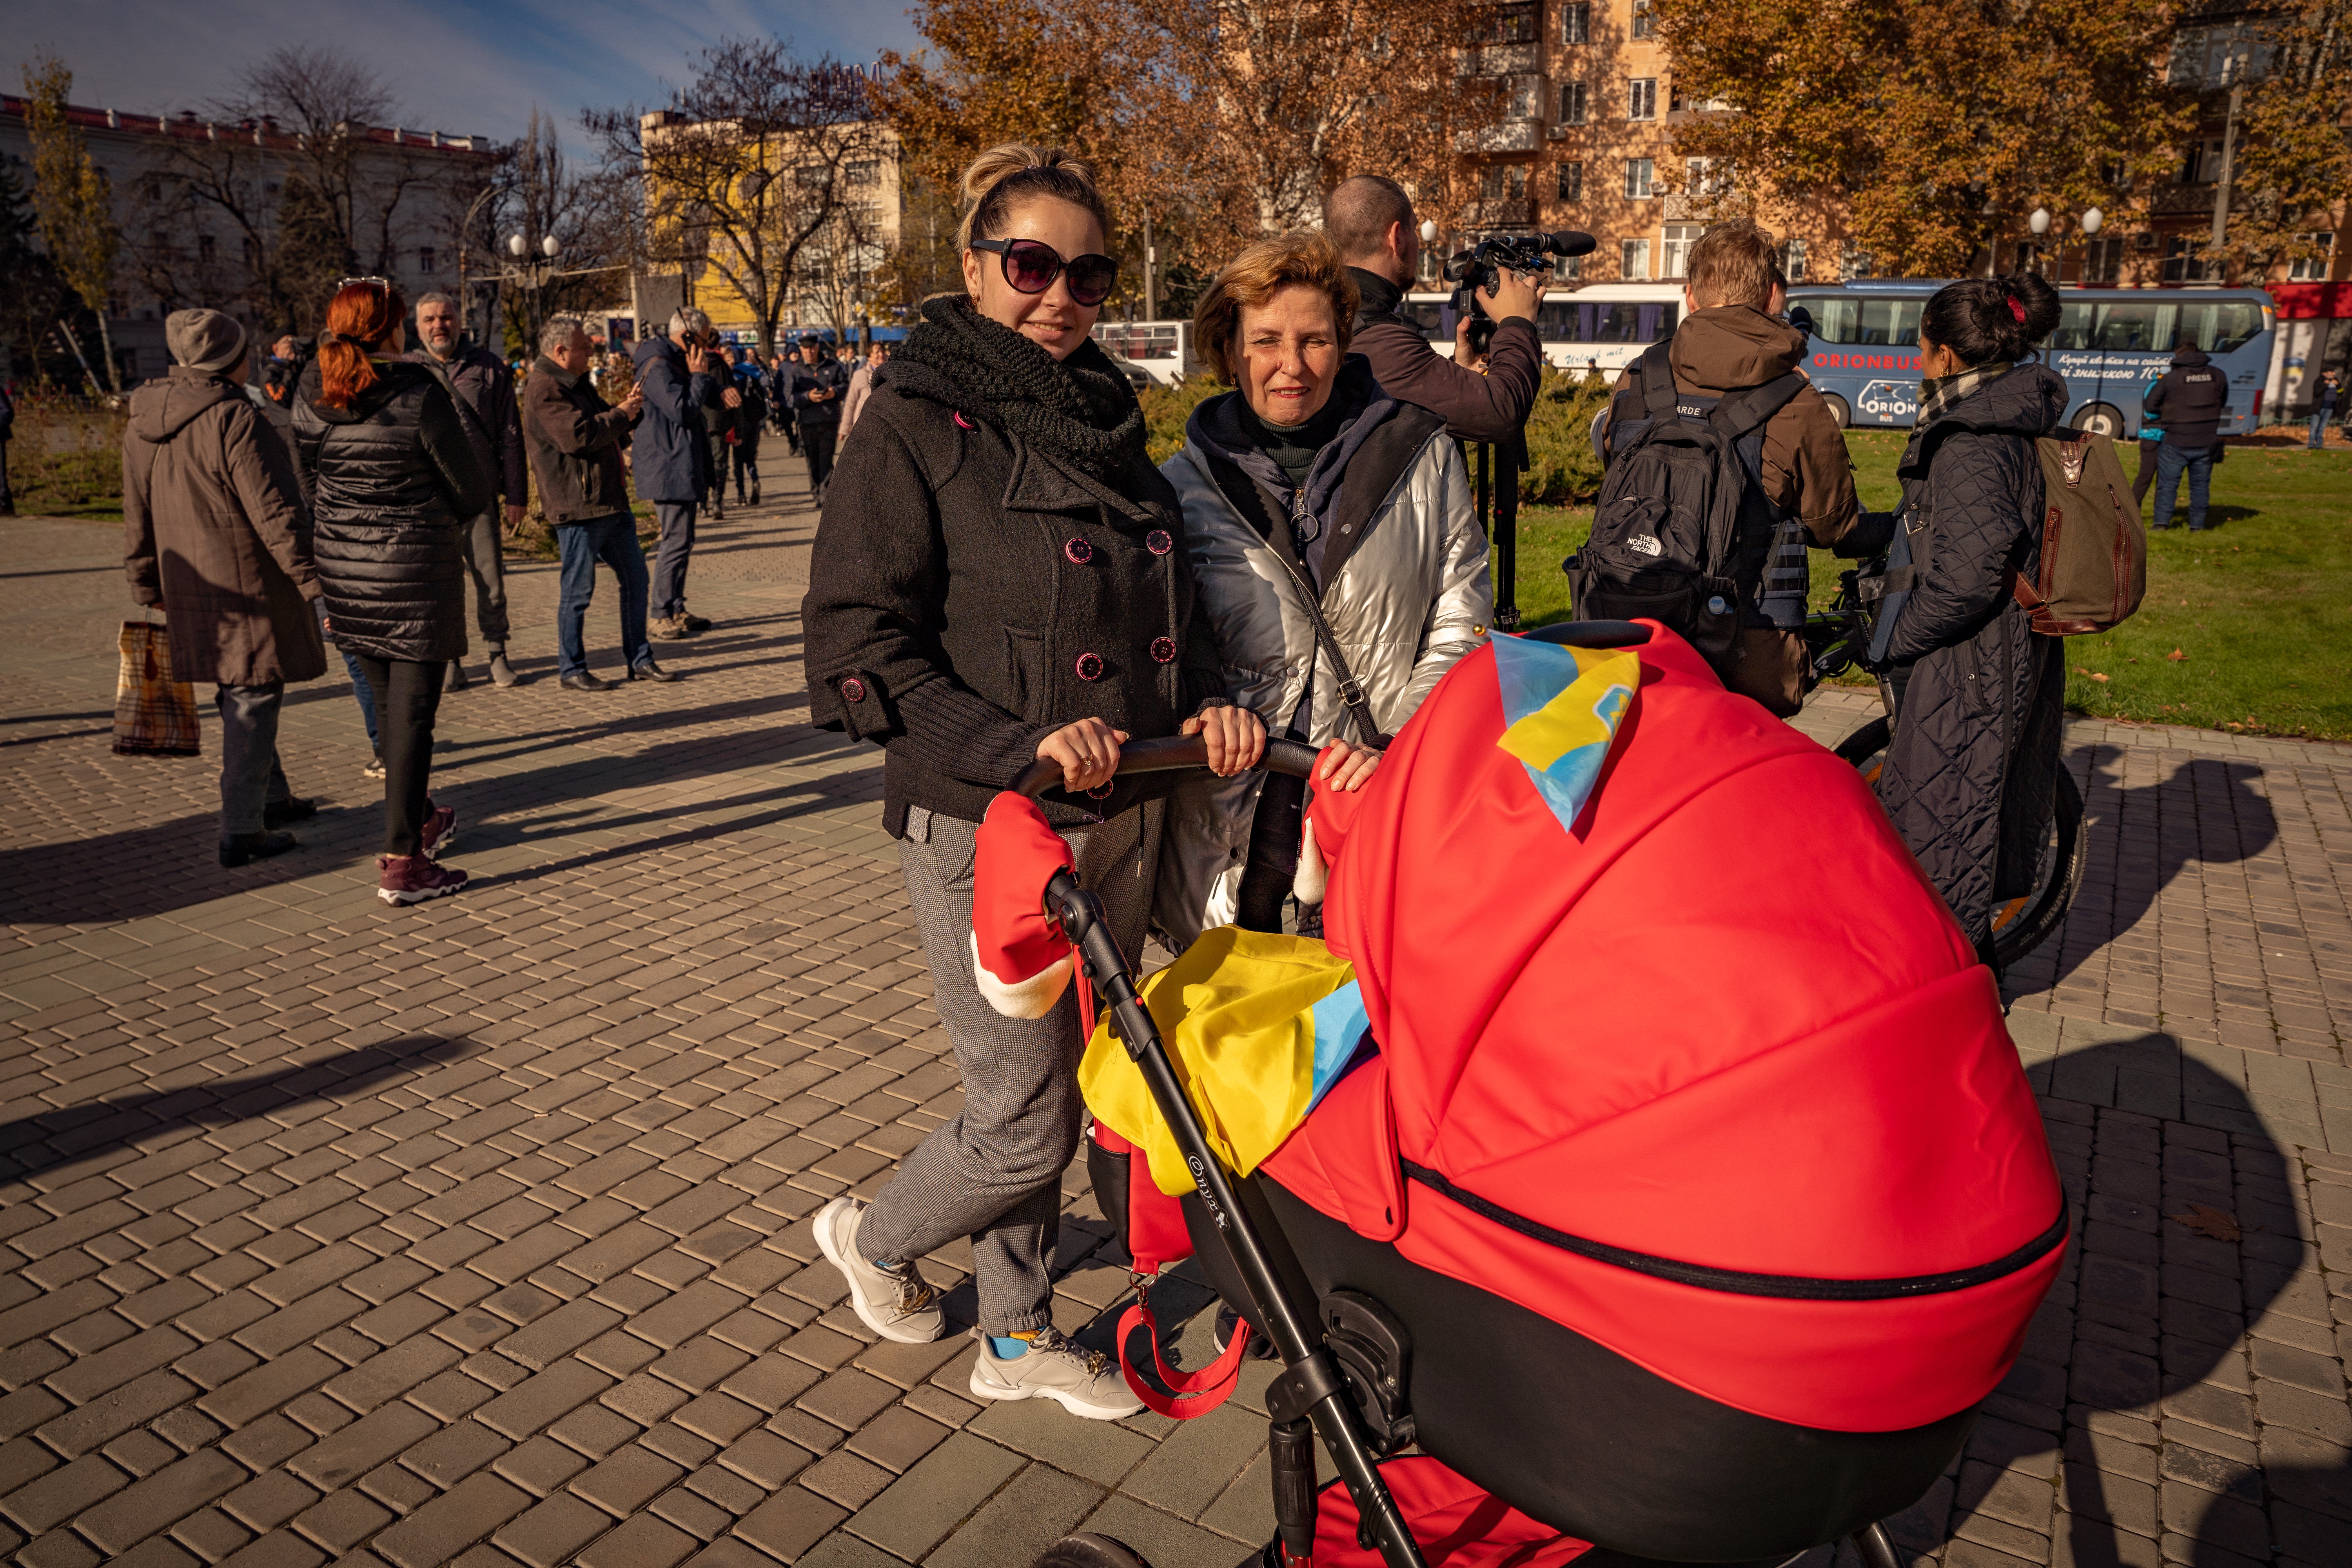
[
  {"x": 214, "y": 535},
  {"x": 970, "y": 593},
  {"x": 1489, "y": 408},
  {"x": 670, "y": 455},
  {"x": 575, "y": 439},
  {"x": 1971, "y": 769},
  {"x": 2190, "y": 401},
  {"x": 825, "y": 374},
  {"x": 390, "y": 482},
  {"x": 485, "y": 400},
  {"x": 751, "y": 384},
  {"x": 7, "y": 413}
]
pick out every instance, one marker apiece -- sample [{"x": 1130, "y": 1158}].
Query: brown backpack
[{"x": 2093, "y": 547}]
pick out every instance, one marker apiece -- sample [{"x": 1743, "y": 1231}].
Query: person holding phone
[{"x": 678, "y": 373}]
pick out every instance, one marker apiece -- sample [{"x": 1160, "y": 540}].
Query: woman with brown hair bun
[
  {"x": 997, "y": 579},
  {"x": 390, "y": 475}
]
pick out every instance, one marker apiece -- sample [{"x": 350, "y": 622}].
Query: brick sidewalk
[{"x": 478, "y": 1232}]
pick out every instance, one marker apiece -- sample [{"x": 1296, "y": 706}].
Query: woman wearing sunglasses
[{"x": 998, "y": 579}]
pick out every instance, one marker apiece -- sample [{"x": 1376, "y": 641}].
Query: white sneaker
[
  {"x": 1085, "y": 1382},
  {"x": 898, "y": 1304}
]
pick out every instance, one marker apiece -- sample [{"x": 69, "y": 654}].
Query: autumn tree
[
  {"x": 2292, "y": 145},
  {"x": 73, "y": 204},
  {"x": 31, "y": 293},
  {"x": 757, "y": 175},
  {"x": 1937, "y": 124},
  {"x": 537, "y": 194}
]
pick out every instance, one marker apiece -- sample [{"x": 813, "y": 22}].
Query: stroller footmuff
[{"x": 1689, "y": 1192}]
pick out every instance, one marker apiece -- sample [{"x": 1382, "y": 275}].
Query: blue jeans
[
  {"x": 613, "y": 540},
  {"x": 2169, "y": 461},
  {"x": 359, "y": 687},
  {"x": 2318, "y": 428}
]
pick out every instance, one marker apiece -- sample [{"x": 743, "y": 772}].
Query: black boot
[{"x": 246, "y": 848}]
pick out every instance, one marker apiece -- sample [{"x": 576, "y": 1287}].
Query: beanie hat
[{"x": 204, "y": 340}]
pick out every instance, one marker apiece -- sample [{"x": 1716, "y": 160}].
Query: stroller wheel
[{"x": 1091, "y": 1551}]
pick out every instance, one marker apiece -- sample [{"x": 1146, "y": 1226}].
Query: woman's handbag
[{"x": 154, "y": 715}]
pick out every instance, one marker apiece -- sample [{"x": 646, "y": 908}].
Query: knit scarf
[
  {"x": 1079, "y": 409},
  {"x": 1939, "y": 394}
]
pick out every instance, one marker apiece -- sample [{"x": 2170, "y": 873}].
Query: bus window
[
  {"x": 1873, "y": 323},
  {"x": 1556, "y": 322},
  {"x": 1624, "y": 322},
  {"x": 2135, "y": 326},
  {"x": 1426, "y": 314},
  {"x": 2218, "y": 326}
]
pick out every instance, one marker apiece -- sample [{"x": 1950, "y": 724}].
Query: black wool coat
[
  {"x": 1971, "y": 769},
  {"x": 970, "y": 593},
  {"x": 390, "y": 482}
]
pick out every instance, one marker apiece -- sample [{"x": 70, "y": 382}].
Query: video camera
[{"x": 1481, "y": 267}]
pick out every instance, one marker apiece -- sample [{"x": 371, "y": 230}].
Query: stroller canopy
[{"x": 1703, "y": 1070}]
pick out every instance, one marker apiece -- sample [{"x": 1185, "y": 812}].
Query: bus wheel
[
  {"x": 2101, "y": 419},
  {"x": 1838, "y": 410}
]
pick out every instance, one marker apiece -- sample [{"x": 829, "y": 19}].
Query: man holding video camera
[{"x": 1369, "y": 219}]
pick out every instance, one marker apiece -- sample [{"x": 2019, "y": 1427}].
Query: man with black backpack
[{"x": 1718, "y": 480}]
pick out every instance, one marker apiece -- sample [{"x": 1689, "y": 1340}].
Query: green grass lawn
[{"x": 2260, "y": 608}]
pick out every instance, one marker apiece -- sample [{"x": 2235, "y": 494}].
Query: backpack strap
[
  {"x": 1741, "y": 412},
  {"x": 1658, "y": 381}
]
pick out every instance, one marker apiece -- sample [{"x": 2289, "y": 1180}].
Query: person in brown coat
[
  {"x": 1728, "y": 342},
  {"x": 215, "y": 537}
]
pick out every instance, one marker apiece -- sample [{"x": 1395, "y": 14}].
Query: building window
[
  {"x": 1642, "y": 98},
  {"x": 205, "y": 249},
  {"x": 1576, "y": 23},
  {"x": 1568, "y": 268},
  {"x": 2311, "y": 268},
  {"x": 1853, "y": 262},
  {"x": 2202, "y": 165},
  {"x": 1702, "y": 178},
  {"x": 1644, "y": 17},
  {"x": 1792, "y": 260},
  {"x": 1640, "y": 175},
  {"x": 426, "y": 261},
  {"x": 1634, "y": 259},
  {"x": 1572, "y": 103},
  {"x": 2183, "y": 265},
  {"x": 2103, "y": 260},
  {"x": 1526, "y": 95},
  {"x": 1680, "y": 237},
  {"x": 1572, "y": 180},
  {"x": 1506, "y": 24}
]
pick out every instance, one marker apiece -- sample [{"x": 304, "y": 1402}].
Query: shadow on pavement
[
  {"x": 2129, "y": 1349},
  {"x": 2140, "y": 842},
  {"x": 37, "y": 1143}
]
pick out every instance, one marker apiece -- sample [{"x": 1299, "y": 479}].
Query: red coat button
[
  {"x": 1159, "y": 542},
  {"x": 1163, "y": 648},
  {"x": 1090, "y": 666},
  {"x": 853, "y": 689},
  {"x": 1079, "y": 551}
]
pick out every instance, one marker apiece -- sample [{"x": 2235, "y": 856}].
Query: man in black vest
[
  {"x": 1369, "y": 219},
  {"x": 2189, "y": 403}
]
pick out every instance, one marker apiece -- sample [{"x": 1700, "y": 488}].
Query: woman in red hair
[{"x": 389, "y": 475}]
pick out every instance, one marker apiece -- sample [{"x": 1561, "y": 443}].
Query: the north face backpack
[
  {"x": 1682, "y": 502},
  {"x": 2093, "y": 567}
]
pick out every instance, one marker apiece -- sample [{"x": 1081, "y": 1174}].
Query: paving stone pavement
[{"x": 478, "y": 1232}]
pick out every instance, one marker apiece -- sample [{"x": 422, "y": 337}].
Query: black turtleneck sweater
[{"x": 1293, "y": 447}]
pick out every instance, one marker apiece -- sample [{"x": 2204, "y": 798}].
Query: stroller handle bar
[{"x": 1295, "y": 758}]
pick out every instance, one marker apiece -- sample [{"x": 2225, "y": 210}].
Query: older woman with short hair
[{"x": 1338, "y": 557}]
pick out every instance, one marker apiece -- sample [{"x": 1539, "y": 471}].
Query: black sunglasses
[{"x": 1031, "y": 266}]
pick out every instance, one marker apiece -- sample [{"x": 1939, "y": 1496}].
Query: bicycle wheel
[{"x": 2022, "y": 924}]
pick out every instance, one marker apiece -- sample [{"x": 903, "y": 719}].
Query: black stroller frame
[{"x": 1311, "y": 1397}]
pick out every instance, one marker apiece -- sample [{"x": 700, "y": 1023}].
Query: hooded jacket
[
  {"x": 1385, "y": 530},
  {"x": 1970, "y": 774},
  {"x": 1805, "y": 469},
  {"x": 391, "y": 480},
  {"x": 485, "y": 389},
  {"x": 2189, "y": 401},
  {"x": 214, "y": 533},
  {"x": 670, "y": 455},
  {"x": 576, "y": 440},
  {"x": 971, "y": 592}
]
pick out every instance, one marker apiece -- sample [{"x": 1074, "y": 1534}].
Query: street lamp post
[{"x": 2086, "y": 225}]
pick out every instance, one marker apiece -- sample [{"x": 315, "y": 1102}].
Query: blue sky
[{"x": 464, "y": 67}]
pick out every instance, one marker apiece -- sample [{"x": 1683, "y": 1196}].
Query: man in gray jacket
[{"x": 486, "y": 401}]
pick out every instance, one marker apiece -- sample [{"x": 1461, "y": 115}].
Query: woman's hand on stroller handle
[
  {"x": 1346, "y": 767},
  {"x": 1087, "y": 752},
  {"x": 1234, "y": 736},
  {"x": 1295, "y": 758}
]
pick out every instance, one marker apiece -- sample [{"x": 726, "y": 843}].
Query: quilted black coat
[
  {"x": 387, "y": 480},
  {"x": 1971, "y": 771}
]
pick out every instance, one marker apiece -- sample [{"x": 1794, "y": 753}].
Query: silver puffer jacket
[{"x": 1405, "y": 589}]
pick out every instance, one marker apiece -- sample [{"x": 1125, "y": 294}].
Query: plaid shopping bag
[{"x": 154, "y": 715}]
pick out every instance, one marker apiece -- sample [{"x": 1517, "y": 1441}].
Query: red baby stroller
[{"x": 1693, "y": 1197}]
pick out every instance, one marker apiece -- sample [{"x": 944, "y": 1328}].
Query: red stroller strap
[{"x": 1196, "y": 1394}]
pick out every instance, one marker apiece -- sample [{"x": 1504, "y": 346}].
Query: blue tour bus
[{"x": 2109, "y": 345}]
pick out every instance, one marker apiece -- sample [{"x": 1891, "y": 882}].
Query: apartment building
[{"x": 172, "y": 175}]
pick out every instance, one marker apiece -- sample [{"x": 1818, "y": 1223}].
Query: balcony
[
  {"x": 2177, "y": 200},
  {"x": 1502, "y": 212},
  {"x": 1511, "y": 136},
  {"x": 1498, "y": 59}
]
